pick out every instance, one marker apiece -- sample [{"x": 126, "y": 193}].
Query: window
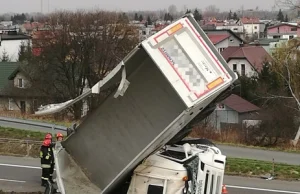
[
  {"x": 10, "y": 104},
  {"x": 255, "y": 27},
  {"x": 234, "y": 67},
  {"x": 20, "y": 83},
  {"x": 155, "y": 189},
  {"x": 294, "y": 29},
  {"x": 221, "y": 49},
  {"x": 235, "y": 29},
  {"x": 243, "y": 70},
  {"x": 291, "y": 37}
]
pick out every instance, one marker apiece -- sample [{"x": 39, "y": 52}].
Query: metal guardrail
[{"x": 24, "y": 124}]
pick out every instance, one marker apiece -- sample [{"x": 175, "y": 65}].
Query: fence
[
  {"x": 20, "y": 147},
  {"x": 30, "y": 125}
]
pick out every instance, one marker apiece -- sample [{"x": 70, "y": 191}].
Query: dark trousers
[
  {"x": 45, "y": 175},
  {"x": 51, "y": 172}
]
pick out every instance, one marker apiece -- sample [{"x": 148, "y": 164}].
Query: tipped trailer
[{"x": 133, "y": 142}]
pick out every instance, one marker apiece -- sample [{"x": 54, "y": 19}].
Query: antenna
[{"x": 41, "y": 6}]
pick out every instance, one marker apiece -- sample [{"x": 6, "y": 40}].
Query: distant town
[{"x": 246, "y": 39}]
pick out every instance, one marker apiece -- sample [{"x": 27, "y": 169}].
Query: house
[
  {"x": 10, "y": 43},
  {"x": 16, "y": 95},
  {"x": 236, "y": 28},
  {"x": 233, "y": 111},
  {"x": 269, "y": 44},
  {"x": 253, "y": 27},
  {"x": 223, "y": 39},
  {"x": 283, "y": 31},
  {"x": 246, "y": 60}
]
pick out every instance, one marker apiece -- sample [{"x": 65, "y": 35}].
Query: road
[
  {"x": 230, "y": 151},
  {"x": 23, "y": 174},
  {"x": 265, "y": 155}
]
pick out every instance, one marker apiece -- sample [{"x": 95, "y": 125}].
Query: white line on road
[
  {"x": 8, "y": 180},
  {"x": 20, "y": 166},
  {"x": 260, "y": 189}
]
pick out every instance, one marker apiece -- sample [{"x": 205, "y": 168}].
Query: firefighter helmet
[
  {"x": 48, "y": 136},
  {"x": 59, "y": 135},
  {"x": 47, "y": 142}
]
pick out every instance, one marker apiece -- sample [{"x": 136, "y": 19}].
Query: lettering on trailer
[{"x": 167, "y": 55}]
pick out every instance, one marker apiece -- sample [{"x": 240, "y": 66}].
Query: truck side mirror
[{"x": 187, "y": 149}]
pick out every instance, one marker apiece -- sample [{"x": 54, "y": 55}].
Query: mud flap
[{"x": 192, "y": 171}]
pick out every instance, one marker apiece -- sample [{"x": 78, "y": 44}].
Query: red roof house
[{"x": 246, "y": 60}]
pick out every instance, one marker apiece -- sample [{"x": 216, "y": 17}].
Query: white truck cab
[{"x": 180, "y": 169}]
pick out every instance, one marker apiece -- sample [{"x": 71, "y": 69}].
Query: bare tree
[
  {"x": 211, "y": 11},
  {"x": 287, "y": 65},
  {"x": 172, "y": 9},
  {"x": 78, "y": 48},
  {"x": 289, "y": 4}
]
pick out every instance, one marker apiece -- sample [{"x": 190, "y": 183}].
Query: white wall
[
  {"x": 12, "y": 48},
  {"x": 235, "y": 28},
  {"x": 250, "y": 29},
  {"x": 249, "y": 70},
  {"x": 20, "y": 75}
]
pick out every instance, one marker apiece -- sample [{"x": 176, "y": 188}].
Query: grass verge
[
  {"x": 257, "y": 168},
  {"x": 281, "y": 149},
  {"x": 21, "y": 134}
]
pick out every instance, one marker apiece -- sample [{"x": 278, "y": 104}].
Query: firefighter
[
  {"x": 59, "y": 137},
  {"x": 49, "y": 136},
  {"x": 46, "y": 161}
]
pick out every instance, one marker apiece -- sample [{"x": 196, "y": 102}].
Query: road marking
[
  {"x": 260, "y": 189},
  {"x": 16, "y": 181},
  {"x": 20, "y": 166}
]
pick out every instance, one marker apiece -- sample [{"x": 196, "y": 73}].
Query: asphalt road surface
[
  {"x": 257, "y": 154},
  {"x": 23, "y": 174}
]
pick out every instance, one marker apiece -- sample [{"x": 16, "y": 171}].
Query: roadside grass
[
  {"x": 236, "y": 137},
  {"x": 289, "y": 149},
  {"x": 21, "y": 134},
  {"x": 257, "y": 168}
]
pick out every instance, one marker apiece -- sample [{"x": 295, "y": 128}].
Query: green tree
[
  {"x": 141, "y": 18},
  {"x": 136, "y": 17},
  {"x": 286, "y": 19},
  {"x": 280, "y": 16},
  {"x": 168, "y": 17},
  {"x": 197, "y": 15},
  {"x": 5, "y": 56},
  {"x": 229, "y": 17},
  {"x": 31, "y": 20},
  {"x": 188, "y": 11},
  {"x": 149, "y": 21},
  {"x": 235, "y": 17}
]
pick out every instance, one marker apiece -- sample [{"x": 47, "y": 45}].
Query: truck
[{"x": 136, "y": 141}]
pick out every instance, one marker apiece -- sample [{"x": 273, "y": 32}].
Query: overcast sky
[{"x": 126, "y": 5}]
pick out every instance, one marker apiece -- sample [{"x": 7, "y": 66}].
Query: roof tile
[
  {"x": 216, "y": 38},
  {"x": 256, "y": 55},
  {"x": 239, "y": 104}
]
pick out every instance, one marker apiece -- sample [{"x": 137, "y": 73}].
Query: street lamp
[{"x": 124, "y": 83}]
